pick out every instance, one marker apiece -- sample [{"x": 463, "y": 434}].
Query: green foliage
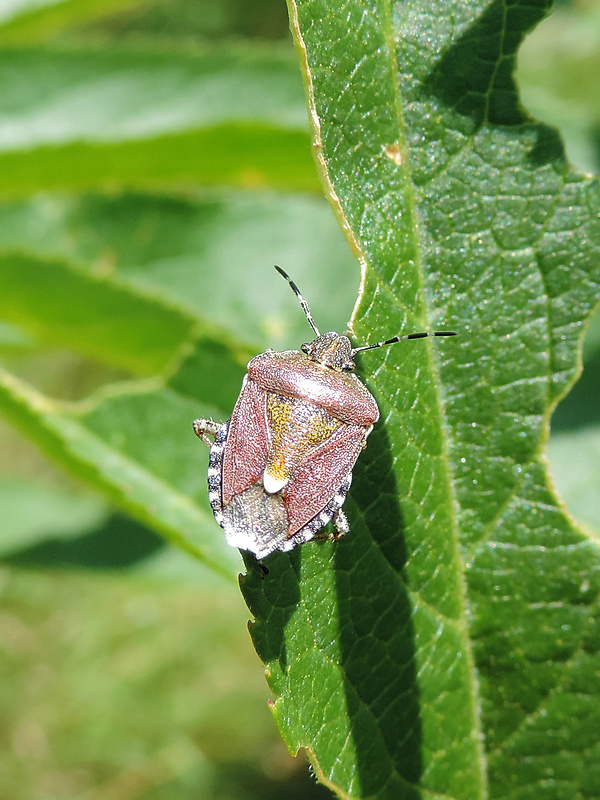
[
  {"x": 108, "y": 117},
  {"x": 448, "y": 645},
  {"x": 557, "y": 68},
  {"x": 454, "y": 628}
]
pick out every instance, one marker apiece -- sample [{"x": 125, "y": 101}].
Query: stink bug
[{"x": 280, "y": 468}]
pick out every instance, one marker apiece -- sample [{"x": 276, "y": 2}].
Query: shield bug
[{"x": 280, "y": 468}]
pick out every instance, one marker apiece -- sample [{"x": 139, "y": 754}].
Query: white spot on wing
[{"x": 272, "y": 484}]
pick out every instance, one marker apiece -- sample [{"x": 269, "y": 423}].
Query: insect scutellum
[{"x": 334, "y": 350}]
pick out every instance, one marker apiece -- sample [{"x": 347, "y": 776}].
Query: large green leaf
[
  {"x": 448, "y": 643},
  {"x": 82, "y": 118},
  {"x": 448, "y": 646}
]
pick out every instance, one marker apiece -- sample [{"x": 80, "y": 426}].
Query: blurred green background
[{"x": 126, "y": 670}]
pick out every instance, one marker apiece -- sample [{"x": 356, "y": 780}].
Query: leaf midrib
[{"x": 451, "y": 496}]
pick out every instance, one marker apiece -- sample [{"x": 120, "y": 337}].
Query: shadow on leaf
[
  {"x": 119, "y": 544},
  {"x": 475, "y": 76},
  {"x": 376, "y": 631}
]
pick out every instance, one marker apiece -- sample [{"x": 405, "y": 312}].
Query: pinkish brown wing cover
[
  {"x": 316, "y": 481},
  {"x": 247, "y": 442}
]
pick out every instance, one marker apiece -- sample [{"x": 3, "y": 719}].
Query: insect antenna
[
  {"x": 395, "y": 339},
  {"x": 303, "y": 302}
]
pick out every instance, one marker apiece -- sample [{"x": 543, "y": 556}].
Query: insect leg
[
  {"x": 203, "y": 428},
  {"x": 340, "y": 521}
]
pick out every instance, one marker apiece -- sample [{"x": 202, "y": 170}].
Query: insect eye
[{"x": 305, "y": 347}]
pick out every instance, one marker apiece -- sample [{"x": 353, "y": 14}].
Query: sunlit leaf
[
  {"x": 448, "y": 643},
  {"x": 82, "y": 119}
]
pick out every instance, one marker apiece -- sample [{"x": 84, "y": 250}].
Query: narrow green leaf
[
  {"x": 32, "y": 512},
  {"x": 94, "y": 316},
  {"x": 79, "y": 119},
  {"x": 116, "y": 443},
  {"x": 112, "y": 94},
  {"x": 448, "y": 646},
  {"x": 245, "y": 156},
  {"x": 30, "y": 22}
]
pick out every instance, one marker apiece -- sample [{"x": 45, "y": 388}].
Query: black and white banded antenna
[
  {"x": 393, "y": 340},
  {"x": 302, "y": 301}
]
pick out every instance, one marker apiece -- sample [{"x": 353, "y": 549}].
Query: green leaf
[
  {"x": 209, "y": 256},
  {"x": 94, "y": 316},
  {"x": 84, "y": 118},
  {"x": 114, "y": 441},
  {"x": 27, "y": 21},
  {"x": 448, "y": 646},
  {"x": 557, "y": 69},
  {"x": 245, "y": 156},
  {"x": 101, "y": 94},
  {"x": 33, "y": 512}
]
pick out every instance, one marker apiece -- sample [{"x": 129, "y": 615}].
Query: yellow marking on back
[{"x": 296, "y": 428}]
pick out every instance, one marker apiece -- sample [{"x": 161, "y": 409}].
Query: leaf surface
[
  {"x": 449, "y": 645},
  {"x": 80, "y": 119},
  {"x": 24, "y": 21},
  {"x": 446, "y": 648}
]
